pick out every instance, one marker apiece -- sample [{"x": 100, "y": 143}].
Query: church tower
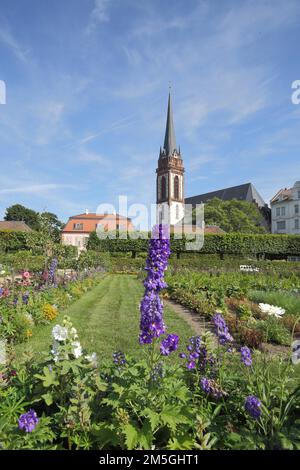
[{"x": 169, "y": 179}]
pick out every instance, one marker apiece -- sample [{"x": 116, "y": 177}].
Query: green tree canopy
[
  {"x": 18, "y": 212},
  {"x": 233, "y": 216},
  {"x": 45, "y": 222},
  {"x": 50, "y": 223}
]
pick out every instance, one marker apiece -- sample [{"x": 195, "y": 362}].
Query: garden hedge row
[
  {"x": 12, "y": 242},
  {"x": 232, "y": 243}
]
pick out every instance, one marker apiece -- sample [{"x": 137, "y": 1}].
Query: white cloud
[
  {"x": 36, "y": 188},
  {"x": 7, "y": 38},
  {"x": 87, "y": 156},
  {"x": 99, "y": 14}
]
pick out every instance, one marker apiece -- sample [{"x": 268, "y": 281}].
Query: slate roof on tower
[{"x": 170, "y": 140}]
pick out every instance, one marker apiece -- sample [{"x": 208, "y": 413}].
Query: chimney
[{"x": 86, "y": 211}]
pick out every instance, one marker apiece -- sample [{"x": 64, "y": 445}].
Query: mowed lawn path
[{"x": 107, "y": 319}]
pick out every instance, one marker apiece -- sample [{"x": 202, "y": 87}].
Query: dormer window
[{"x": 77, "y": 226}]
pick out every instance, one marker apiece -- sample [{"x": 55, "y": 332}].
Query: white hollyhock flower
[
  {"x": 272, "y": 310},
  {"x": 92, "y": 358},
  {"x": 60, "y": 333},
  {"x": 54, "y": 350},
  {"x": 77, "y": 349},
  {"x": 73, "y": 333}
]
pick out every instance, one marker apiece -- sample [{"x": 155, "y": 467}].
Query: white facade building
[
  {"x": 285, "y": 207},
  {"x": 170, "y": 177}
]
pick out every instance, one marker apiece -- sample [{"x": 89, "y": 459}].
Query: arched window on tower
[
  {"x": 176, "y": 187},
  {"x": 163, "y": 188}
]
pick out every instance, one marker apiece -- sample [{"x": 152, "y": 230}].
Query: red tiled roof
[
  {"x": 213, "y": 229},
  {"x": 92, "y": 215},
  {"x": 283, "y": 194},
  {"x": 193, "y": 229},
  {"x": 89, "y": 222}
]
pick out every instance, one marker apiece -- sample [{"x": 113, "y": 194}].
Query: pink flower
[{"x": 26, "y": 275}]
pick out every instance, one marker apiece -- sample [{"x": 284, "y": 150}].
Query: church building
[
  {"x": 170, "y": 177},
  {"x": 170, "y": 198}
]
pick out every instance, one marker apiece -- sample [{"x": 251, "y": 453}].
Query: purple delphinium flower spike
[
  {"x": 151, "y": 308},
  {"x": 221, "y": 329},
  {"x": 169, "y": 344},
  {"x": 253, "y": 406},
  {"x": 28, "y": 421},
  {"x": 246, "y": 357},
  {"x": 210, "y": 387},
  {"x": 52, "y": 269}
]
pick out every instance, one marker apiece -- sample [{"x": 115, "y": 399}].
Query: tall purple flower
[
  {"x": 52, "y": 269},
  {"x": 221, "y": 329},
  {"x": 211, "y": 387},
  {"x": 151, "y": 308},
  {"x": 246, "y": 357},
  {"x": 119, "y": 358},
  {"x": 169, "y": 344},
  {"x": 253, "y": 406},
  {"x": 28, "y": 421},
  {"x": 197, "y": 355},
  {"x": 25, "y": 298}
]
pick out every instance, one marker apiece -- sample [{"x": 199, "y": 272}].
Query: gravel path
[{"x": 196, "y": 321}]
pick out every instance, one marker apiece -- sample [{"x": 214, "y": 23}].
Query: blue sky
[{"x": 87, "y": 84}]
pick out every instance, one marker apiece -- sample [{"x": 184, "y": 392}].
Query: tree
[
  {"x": 45, "y": 222},
  {"x": 233, "y": 216},
  {"x": 50, "y": 223},
  {"x": 18, "y": 212}
]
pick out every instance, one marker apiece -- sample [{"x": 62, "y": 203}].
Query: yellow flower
[
  {"x": 49, "y": 312},
  {"x": 28, "y": 333}
]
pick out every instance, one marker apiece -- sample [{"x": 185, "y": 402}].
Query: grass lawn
[{"x": 107, "y": 319}]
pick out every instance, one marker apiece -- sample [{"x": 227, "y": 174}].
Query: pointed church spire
[{"x": 170, "y": 141}]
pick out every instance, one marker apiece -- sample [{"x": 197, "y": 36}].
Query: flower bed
[
  {"x": 210, "y": 398},
  {"x": 250, "y": 323},
  {"x": 30, "y": 299}
]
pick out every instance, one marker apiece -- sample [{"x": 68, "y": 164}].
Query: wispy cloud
[
  {"x": 156, "y": 26},
  {"x": 99, "y": 14},
  {"x": 9, "y": 40},
  {"x": 36, "y": 188},
  {"x": 87, "y": 156}
]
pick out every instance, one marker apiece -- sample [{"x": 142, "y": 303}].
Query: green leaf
[
  {"x": 101, "y": 385},
  {"x": 146, "y": 436},
  {"x": 49, "y": 377},
  {"x": 172, "y": 416},
  {"x": 105, "y": 435},
  {"x": 66, "y": 366},
  {"x": 131, "y": 436},
  {"x": 153, "y": 417},
  {"x": 48, "y": 398},
  {"x": 184, "y": 442}
]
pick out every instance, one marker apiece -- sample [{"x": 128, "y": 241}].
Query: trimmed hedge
[
  {"x": 230, "y": 243},
  {"x": 13, "y": 242}
]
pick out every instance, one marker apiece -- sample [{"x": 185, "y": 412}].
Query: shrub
[{"x": 274, "y": 331}]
